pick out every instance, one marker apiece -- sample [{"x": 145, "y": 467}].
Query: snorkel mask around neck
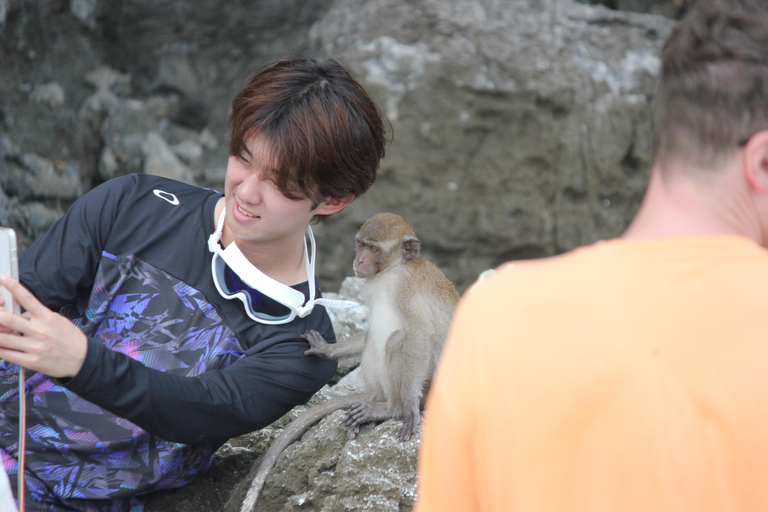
[{"x": 266, "y": 301}]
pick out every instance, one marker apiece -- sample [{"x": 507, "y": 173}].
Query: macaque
[{"x": 411, "y": 303}]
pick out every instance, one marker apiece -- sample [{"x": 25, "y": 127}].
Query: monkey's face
[
  {"x": 367, "y": 256},
  {"x": 371, "y": 257}
]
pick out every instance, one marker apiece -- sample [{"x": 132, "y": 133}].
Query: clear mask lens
[{"x": 258, "y": 305}]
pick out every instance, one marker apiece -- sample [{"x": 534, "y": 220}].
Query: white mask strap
[
  {"x": 213, "y": 240},
  {"x": 309, "y": 262}
]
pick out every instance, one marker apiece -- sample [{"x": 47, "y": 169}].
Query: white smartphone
[{"x": 9, "y": 265}]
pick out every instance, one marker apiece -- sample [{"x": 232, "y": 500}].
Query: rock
[
  {"x": 7, "y": 148},
  {"x": 40, "y": 217},
  {"x": 30, "y": 177},
  {"x": 29, "y": 219},
  {"x": 326, "y": 470},
  {"x": 50, "y": 94},
  {"x": 5, "y": 208},
  {"x": 3, "y": 13},
  {"x": 521, "y": 129},
  {"x": 670, "y": 8},
  {"x": 125, "y": 134},
  {"x": 130, "y": 135},
  {"x": 202, "y": 52},
  {"x": 85, "y": 12},
  {"x": 108, "y": 164},
  {"x": 160, "y": 160},
  {"x": 188, "y": 150},
  {"x": 104, "y": 78},
  {"x": 175, "y": 71},
  {"x": 517, "y": 117},
  {"x": 208, "y": 140},
  {"x": 91, "y": 116}
]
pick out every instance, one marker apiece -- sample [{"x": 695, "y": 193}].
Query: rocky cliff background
[{"x": 521, "y": 128}]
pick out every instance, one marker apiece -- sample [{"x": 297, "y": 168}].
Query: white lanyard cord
[
  {"x": 22, "y": 439},
  {"x": 309, "y": 261}
]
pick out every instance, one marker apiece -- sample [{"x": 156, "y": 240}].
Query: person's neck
[
  {"x": 691, "y": 203},
  {"x": 282, "y": 260}
]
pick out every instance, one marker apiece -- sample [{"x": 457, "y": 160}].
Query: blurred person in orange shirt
[{"x": 631, "y": 374}]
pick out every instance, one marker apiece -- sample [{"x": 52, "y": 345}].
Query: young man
[
  {"x": 631, "y": 375},
  {"x": 181, "y": 310}
]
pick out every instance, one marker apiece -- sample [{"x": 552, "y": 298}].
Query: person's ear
[
  {"x": 755, "y": 161},
  {"x": 331, "y": 205}
]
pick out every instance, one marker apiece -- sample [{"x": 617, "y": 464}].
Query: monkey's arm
[{"x": 351, "y": 346}]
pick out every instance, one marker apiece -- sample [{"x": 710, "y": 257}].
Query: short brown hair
[
  {"x": 713, "y": 91},
  {"x": 323, "y": 129}
]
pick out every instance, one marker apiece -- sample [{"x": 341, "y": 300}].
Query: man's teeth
[{"x": 245, "y": 212}]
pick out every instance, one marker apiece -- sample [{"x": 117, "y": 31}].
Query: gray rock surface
[
  {"x": 327, "y": 471},
  {"x": 670, "y": 8},
  {"x": 521, "y": 128}
]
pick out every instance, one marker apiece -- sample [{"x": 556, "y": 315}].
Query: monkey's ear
[{"x": 411, "y": 246}]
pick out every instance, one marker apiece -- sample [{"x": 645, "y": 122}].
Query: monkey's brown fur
[{"x": 411, "y": 303}]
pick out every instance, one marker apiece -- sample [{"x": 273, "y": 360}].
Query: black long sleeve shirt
[{"x": 187, "y": 368}]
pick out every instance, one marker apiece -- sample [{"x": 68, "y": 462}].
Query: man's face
[{"x": 256, "y": 210}]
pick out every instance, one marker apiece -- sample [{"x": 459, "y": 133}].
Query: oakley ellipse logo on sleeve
[{"x": 167, "y": 196}]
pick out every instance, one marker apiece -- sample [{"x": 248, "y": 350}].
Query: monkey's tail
[{"x": 289, "y": 434}]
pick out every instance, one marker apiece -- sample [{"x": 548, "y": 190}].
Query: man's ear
[
  {"x": 331, "y": 205},
  {"x": 755, "y": 161}
]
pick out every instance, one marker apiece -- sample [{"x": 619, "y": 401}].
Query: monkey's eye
[{"x": 374, "y": 249}]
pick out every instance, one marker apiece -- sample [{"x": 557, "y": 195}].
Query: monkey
[{"x": 411, "y": 304}]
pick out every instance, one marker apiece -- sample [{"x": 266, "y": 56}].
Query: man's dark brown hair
[
  {"x": 713, "y": 91},
  {"x": 322, "y": 128}
]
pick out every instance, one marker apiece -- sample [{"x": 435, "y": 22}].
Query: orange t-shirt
[{"x": 623, "y": 376}]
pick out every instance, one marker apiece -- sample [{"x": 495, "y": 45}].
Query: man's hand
[{"x": 40, "y": 339}]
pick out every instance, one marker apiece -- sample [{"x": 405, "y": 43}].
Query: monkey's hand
[{"x": 318, "y": 345}]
